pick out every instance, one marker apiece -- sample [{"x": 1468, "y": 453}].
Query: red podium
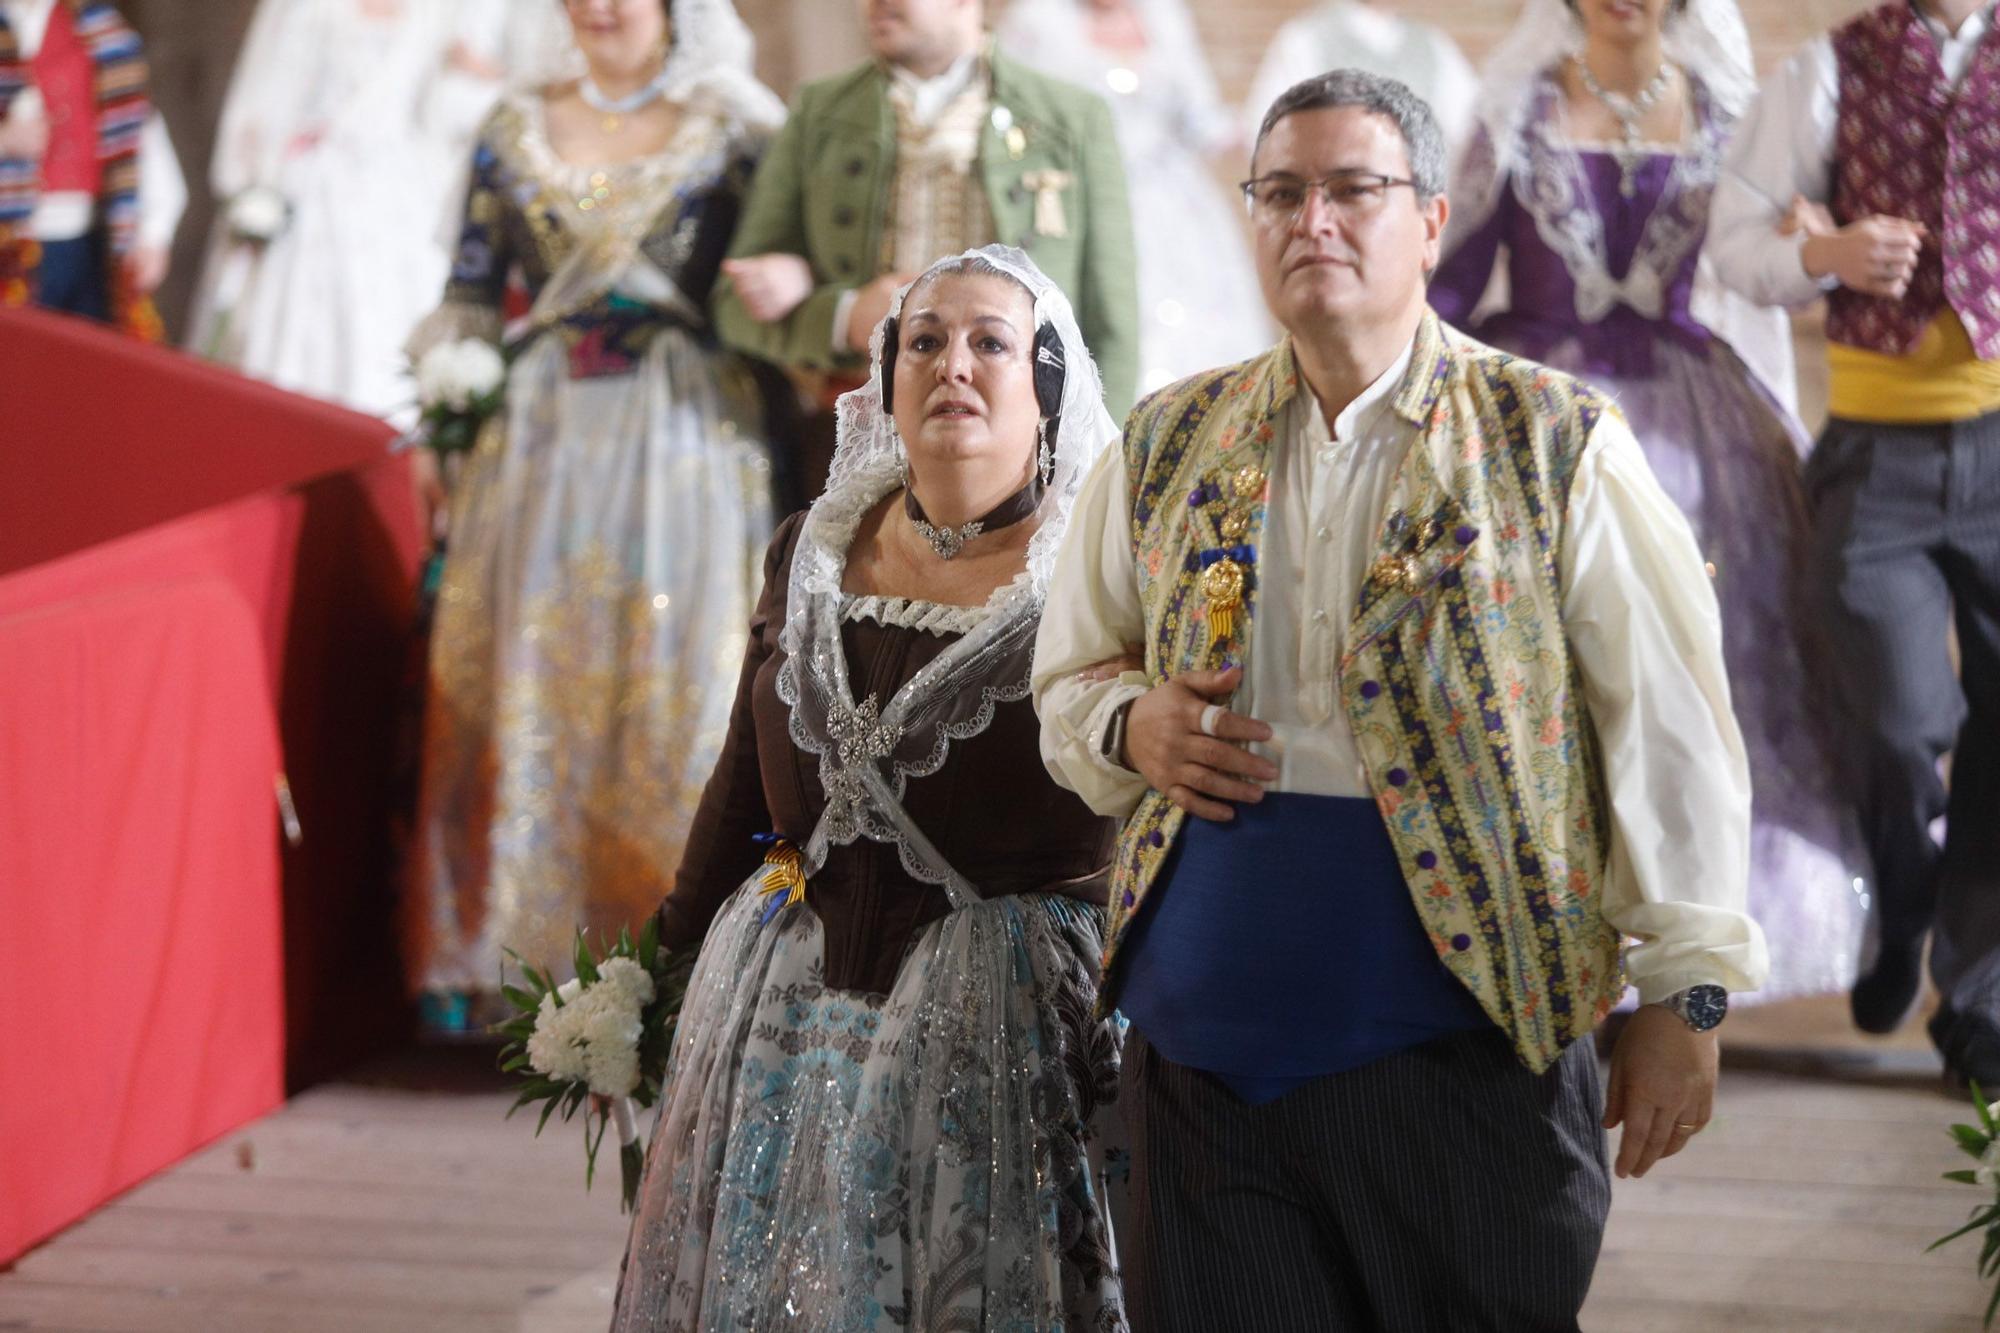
[{"x": 205, "y": 586}]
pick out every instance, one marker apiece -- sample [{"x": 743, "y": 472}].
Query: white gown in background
[
  {"x": 1199, "y": 302},
  {"x": 1349, "y": 34},
  {"x": 361, "y": 125}
]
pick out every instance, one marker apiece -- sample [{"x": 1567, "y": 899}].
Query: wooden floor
[{"x": 400, "y": 1202}]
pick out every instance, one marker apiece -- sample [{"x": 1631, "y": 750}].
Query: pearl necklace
[
  {"x": 1628, "y": 110},
  {"x": 614, "y": 109}
]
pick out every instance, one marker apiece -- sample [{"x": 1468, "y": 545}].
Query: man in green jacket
[{"x": 938, "y": 144}]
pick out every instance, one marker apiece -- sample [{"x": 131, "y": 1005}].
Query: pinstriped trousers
[
  {"x": 1906, "y": 523},
  {"x": 1441, "y": 1188}
]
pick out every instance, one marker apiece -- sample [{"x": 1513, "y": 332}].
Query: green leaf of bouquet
[
  {"x": 1965, "y": 1177},
  {"x": 1979, "y": 1219},
  {"x": 649, "y": 942},
  {"x": 590, "y": 1147},
  {"x": 586, "y": 963},
  {"x": 520, "y": 999},
  {"x": 1970, "y": 1139}
]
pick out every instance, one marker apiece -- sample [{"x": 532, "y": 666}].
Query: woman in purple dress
[{"x": 1593, "y": 175}]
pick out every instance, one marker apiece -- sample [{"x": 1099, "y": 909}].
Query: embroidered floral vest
[
  {"x": 1457, "y": 681},
  {"x": 1909, "y": 147}
]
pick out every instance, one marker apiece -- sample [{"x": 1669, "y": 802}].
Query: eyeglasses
[{"x": 1278, "y": 200}]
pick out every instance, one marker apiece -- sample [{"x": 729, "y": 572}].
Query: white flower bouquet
[
  {"x": 259, "y": 214},
  {"x": 459, "y": 385},
  {"x": 598, "y": 1043},
  {"x": 1981, "y": 1142}
]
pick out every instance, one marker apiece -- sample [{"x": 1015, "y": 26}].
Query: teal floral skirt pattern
[{"x": 836, "y": 1161}]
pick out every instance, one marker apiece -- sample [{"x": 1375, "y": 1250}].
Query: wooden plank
[
  {"x": 266, "y": 1236},
  {"x": 466, "y": 1283},
  {"x": 93, "y": 1309},
  {"x": 1693, "y": 1316},
  {"x": 405, "y": 1202}
]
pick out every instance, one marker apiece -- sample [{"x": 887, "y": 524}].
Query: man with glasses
[{"x": 1432, "y": 719}]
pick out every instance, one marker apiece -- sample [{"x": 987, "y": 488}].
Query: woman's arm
[{"x": 720, "y": 854}]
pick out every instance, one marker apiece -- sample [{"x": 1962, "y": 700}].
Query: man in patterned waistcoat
[
  {"x": 1883, "y": 138},
  {"x": 1429, "y": 752},
  {"x": 939, "y": 144}
]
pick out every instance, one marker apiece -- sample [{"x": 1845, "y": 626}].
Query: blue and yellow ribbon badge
[
  {"x": 784, "y": 881},
  {"x": 1223, "y": 575}
]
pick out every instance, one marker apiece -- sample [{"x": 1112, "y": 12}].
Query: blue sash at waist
[{"x": 1283, "y": 945}]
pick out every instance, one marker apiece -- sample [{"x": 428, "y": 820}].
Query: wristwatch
[
  {"x": 1112, "y": 746},
  {"x": 1700, "y": 1007}
]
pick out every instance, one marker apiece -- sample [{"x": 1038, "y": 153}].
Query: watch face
[{"x": 1704, "y": 1006}]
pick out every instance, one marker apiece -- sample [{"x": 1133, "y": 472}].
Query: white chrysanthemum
[
  {"x": 453, "y": 374},
  {"x": 608, "y": 1024},
  {"x": 555, "y": 1046},
  {"x": 593, "y": 1037},
  {"x": 631, "y": 981},
  {"x": 613, "y": 1071}
]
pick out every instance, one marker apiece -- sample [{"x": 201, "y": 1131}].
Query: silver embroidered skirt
[{"x": 832, "y": 1160}]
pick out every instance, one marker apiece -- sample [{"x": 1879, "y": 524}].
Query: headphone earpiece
[
  {"x": 892, "y": 342},
  {"x": 1051, "y": 373}
]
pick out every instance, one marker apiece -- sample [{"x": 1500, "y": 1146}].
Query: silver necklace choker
[
  {"x": 597, "y": 100},
  {"x": 1629, "y": 111},
  {"x": 946, "y": 543}
]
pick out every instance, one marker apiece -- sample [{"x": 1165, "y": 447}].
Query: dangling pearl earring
[{"x": 1045, "y": 461}]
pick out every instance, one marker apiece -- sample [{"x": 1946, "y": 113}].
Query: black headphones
[{"x": 1050, "y": 372}]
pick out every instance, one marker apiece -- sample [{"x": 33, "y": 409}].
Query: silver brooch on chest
[{"x": 860, "y": 737}]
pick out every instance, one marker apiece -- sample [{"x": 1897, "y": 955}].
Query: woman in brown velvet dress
[{"x": 878, "y": 1113}]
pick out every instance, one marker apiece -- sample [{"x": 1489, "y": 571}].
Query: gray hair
[{"x": 1423, "y": 142}]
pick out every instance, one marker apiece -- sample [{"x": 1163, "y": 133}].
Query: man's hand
[
  {"x": 770, "y": 286},
  {"x": 24, "y": 136},
  {"x": 1165, "y": 743},
  {"x": 871, "y": 307},
  {"x": 1662, "y": 1087},
  {"x": 1874, "y": 256}
]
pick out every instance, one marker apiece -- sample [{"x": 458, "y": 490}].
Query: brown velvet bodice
[{"x": 992, "y": 810}]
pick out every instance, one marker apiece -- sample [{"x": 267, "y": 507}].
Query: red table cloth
[{"x": 204, "y": 584}]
